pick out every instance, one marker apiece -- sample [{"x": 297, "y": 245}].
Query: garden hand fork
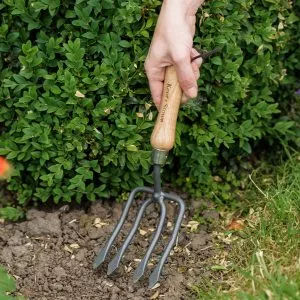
[{"x": 162, "y": 140}]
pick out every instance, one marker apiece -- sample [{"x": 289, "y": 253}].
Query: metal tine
[
  {"x": 205, "y": 54},
  {"x": 115, "y": 262},
  {"x": 104, "y": 251},
  {"x": 154, "y": 277},
  {"x": 140, "y": 270}
]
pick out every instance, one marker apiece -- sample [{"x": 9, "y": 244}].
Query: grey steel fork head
[{"x": 140, "y": 270}]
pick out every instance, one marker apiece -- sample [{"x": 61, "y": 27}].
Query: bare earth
[{"x": 51, "y": 254}]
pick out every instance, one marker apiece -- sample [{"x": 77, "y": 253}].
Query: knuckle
[
  {"x": 186, "y": 83},
  {"x": 180, "y": 58}
]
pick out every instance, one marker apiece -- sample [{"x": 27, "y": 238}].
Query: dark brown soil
[{"x": 51, "y": 255}]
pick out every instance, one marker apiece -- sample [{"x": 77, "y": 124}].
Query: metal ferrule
[{"x": 159, "y": 157}]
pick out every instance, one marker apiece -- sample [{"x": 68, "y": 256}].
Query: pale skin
[{"x": 172, "y": 44}]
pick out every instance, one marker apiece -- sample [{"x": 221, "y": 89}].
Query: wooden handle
[{"x": 163, "y": 135}]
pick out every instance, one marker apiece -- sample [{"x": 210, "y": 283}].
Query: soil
[{"x": 52, "y": 252}]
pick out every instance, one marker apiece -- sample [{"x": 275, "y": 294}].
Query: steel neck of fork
[
  {"x": 157, "y": 182},
  {"x": 159, "y": 158}
]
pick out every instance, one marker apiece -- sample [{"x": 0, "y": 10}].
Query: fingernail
[{"x": 192, "y": 92}]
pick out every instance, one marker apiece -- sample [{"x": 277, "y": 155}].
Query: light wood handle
[{"x": 163, "y": 135}]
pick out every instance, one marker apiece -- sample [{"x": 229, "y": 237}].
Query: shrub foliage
[{"x": 76, "y": 113}]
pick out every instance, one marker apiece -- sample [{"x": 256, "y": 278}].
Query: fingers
[
  {"x": 156, "y": 77},
  {"x": 186, "y": 76},
  {"x": 196, "y": 64},
  {"x": 156, "y": 88},
  {"x": 188, "y": 73},
  {"x": 196, "y": 71}
]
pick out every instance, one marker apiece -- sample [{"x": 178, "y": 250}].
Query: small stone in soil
[
  {"x": 19, "y": 250},
  {"x": 34, "y": 214},
  {"x": 81, "y": 254},
  {"x": 48, "y": 225},
  {"x": 98, "y": 209},
  {"x": 15, "y": 240},
  {"x": 210, "y": 214},
  {"x": 199, "y": 239},
  {"x": 57, "y": 286},
  {"x": 6, "y": 255},
  {"x": 59, "y": 272}
]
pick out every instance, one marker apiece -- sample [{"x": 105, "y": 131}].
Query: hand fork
[{"x": 162, "y": 140}]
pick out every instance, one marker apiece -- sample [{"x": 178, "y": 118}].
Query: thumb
[{"x": 186, "y": 77}]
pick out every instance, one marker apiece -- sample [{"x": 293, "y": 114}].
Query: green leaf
[
  {"x": 55, "y": 168},
  {"x": 12, "y": 154},
  {"x": 284, "y": 126},
  {"x": 132, "y": 148},
  {"x": 247, "y": 147},
  {"x": 89, "y": 35},
  {"x": 218, "y": 268},
  {"x": 125, "y": 44},
  {"x": 12, "y": 214},
  {"x": 145, "y": 33},
  {"x": 216, "y": 60},
  {"x": 7, "y": 283},
  {"x": 55, "y": 89},
  {"x": 3, "y": 47}
]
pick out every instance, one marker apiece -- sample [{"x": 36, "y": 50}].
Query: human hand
[{"x": 172, "y": 44}]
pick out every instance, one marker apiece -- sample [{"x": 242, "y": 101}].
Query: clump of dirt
[{"x": 51, "y": 254}]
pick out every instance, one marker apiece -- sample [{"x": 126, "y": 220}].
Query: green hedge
[{"x": 76, "y": 113}]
